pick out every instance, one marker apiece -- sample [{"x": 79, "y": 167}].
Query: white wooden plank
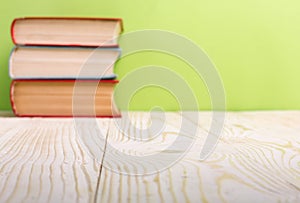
[
  {"x": 45, "y": 160},
  {"x": 256, "y": 160}
]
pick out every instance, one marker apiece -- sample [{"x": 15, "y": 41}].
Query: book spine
[
  {"x": 12, "y": 31},
  {"x": 10, "y": 62}
]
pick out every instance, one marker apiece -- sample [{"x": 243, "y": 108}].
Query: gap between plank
[{"x": 101, "y": 165}]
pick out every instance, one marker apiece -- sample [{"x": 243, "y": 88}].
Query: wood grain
[
  {"x": 144, "y": 157},
  {"x": 44, "y": 160},
  {"x": 257, "y": 159}
]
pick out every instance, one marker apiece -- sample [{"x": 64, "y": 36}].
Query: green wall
[{"x": 255, "y": 45}]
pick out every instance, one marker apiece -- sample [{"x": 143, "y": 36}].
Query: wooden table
[{"x": 256, "y": 159}]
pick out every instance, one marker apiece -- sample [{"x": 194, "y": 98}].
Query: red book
[
  {"x": 59, "y": 31},
  {"x": 63, "y": 98}
]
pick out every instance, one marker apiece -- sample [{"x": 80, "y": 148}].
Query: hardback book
[
  {"x": 41, "y": 62},
  {"x": 61, "y": 31},
  {"x": 63, "y": 98}
]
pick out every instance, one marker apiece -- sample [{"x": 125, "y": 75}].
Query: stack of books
[{"x": 63, "y": 67}]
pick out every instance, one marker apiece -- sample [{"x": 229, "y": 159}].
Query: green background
[{"x": 254, "y": 44}]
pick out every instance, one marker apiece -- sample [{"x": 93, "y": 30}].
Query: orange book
[{"x": 63, "y": 98}]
